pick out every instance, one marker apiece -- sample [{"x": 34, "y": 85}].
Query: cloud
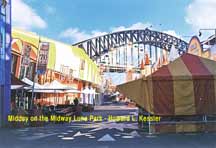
[
  {"x": 25, "y": 17},
  {"x": 138, "y": 25},
  {"x": 200, "y": 14},
  {"x": 96, "y": 33},
  {"x": 76, "y": 35},
  {"x": 173, "y": 33}
]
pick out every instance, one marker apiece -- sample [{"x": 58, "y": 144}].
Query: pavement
[{"x": 101, "y": 134}]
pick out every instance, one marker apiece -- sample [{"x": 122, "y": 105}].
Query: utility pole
[{"x": 35, "y": 76}]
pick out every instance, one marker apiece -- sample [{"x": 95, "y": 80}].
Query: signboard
[
  {"x": 82, "y": 64},
  {"x": 195, "y": 46},
  {"x": 43, "y": 58},
  {"x": 64, "y": 70},
  {"x": 70, "y": 73},
  {"x": 26, "y": 54}
]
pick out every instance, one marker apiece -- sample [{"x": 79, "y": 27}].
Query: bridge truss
[
  {"x": 110, "y": 45},
  {"x": 98, "y": 46}
]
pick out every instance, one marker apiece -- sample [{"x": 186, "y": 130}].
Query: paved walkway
[{"x": 100, "y": 135}]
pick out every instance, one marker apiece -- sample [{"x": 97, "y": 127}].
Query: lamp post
[
  {"x": 207, "y": 29},
  {"x": 35, "y": 75}
]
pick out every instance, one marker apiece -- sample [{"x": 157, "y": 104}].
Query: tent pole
[
  {"x": 205, "y": 121},
  {"x": 149, "y": 125},
  {"x": 55, "y": 97}
]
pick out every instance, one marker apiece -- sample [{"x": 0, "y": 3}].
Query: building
[
  {"x": 209, "y": 46},
  {"x": 68, "y": 65},
  {"x": 206, "y": 48}
]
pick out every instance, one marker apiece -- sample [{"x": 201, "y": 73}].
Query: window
[
  {"x": 27, "y": 72},
  {"x": 22, "y": 72},
  {"x": 14, "y": 59},
  {"x": 30, "y": 71}
]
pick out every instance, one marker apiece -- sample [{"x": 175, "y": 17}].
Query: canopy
[
  {"x": 47, "y": 91},
  {"x": 29, "y": 82},
  {"x": 16, "y": 83},
  {"x": 55, "y": 85},
  {"x": 186, "y": 86},
  {"x": 73, "y": 91}
]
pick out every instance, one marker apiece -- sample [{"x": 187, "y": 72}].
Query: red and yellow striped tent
[{"x": 186, "y": 86}]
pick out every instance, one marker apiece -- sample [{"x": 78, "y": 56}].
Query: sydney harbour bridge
[{"x": 118, "y": 51}]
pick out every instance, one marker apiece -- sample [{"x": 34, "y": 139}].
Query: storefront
[{"x": 75, "y": 70}]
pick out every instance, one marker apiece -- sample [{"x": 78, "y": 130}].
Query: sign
[
  {"x": 82, "y": 64},
  {"x": 64, "y": 70},
  {"x": 70, "y": 73},
  {"x": 43, "y": 58},
  {"x": 195, "y": 46},
  {"x": 26, "y": 55}
]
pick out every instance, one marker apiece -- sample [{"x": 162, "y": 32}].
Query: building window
[
  {"x": 14, "y": 63},
  {"x": 27, "y": 72},
  {"x": 30, "y": 71},
  {"x": 22, "y": 72}
]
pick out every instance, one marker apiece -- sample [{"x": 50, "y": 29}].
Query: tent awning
[
  {"x": 55, "y": 85},
  {"x": 30, "y": 83},
  {"x": 47, "y": 91},
  {"x": 187, "y": 86},
  {"x": 16, "y": 83},
  {"x": 72, "y": 91}
]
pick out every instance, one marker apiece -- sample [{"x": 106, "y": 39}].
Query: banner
[
  {"x": 43, "y": 58},
  {"x": 26, "y": 54}
]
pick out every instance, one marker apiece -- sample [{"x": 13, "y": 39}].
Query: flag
[
  {"x": 142, "y": 66},
  {"x": 147, "y": 60}
]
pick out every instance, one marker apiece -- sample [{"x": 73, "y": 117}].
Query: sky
[{"x": 71, "y": 21}]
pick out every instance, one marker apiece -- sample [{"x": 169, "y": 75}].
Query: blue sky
[{"x": 74, "y": 20}]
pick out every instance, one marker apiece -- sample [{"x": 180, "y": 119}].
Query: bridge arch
[{"x": 98, "y": 46}]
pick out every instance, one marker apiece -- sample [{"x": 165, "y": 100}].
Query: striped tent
[{"x": 186, "y": 86}]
